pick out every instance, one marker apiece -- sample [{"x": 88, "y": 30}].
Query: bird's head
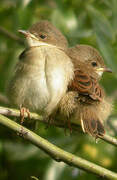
[
  {"x": 89, "y": 60},
  {"x": 44, "y": 33}
]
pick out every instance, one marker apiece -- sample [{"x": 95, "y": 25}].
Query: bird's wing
[{"x": 86, "y": 85}]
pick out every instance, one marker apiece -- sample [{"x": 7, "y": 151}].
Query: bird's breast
[{"x": 41, "y": 79}]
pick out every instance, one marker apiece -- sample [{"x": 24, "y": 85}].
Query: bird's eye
[
  {"x": 42, "y": 36},
  {"x": 94, "y": 64}
]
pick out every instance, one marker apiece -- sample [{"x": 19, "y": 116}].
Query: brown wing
[
  {"x": 86, "y": 85},
  {"x": 96, "y": 91}
]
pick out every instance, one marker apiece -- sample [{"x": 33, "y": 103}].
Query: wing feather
[{"x": 86, "y": 85}]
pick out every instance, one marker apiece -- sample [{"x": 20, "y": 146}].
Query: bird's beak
[
  {"x": 104, "y": 69},
  {"x": 25, "y": 33},
  {"x": 107, "y": 70},
  {"x": 28, "y": 34}
]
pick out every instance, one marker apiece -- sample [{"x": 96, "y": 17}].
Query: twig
[
  {"x": 11, "y": 35},
  {"x": 57, "y": 153},
  {"x": 16, "y": 113},
  {"x": 33, "y": 116},
  {"x": 109, "y": 139},
  {"x": 36, "y": 117}
]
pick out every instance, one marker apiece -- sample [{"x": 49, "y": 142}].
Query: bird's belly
[
  {"x": 37, "y": 95},
  {"x": 41, "y": 92},
  {"x": 31, "y": 93}
]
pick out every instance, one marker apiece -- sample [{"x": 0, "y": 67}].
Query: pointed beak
[
  {"x": 28, "y": 34},
  {"x": 105, "y": 69},
  {"x": 25, "y": 33}
]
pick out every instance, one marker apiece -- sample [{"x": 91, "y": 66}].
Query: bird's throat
[{"x": 31, "y": 42}]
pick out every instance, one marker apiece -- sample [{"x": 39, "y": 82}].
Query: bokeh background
[{"x": 89, "y": 22}]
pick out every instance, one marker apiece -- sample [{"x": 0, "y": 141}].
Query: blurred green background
[{"x": 82, "y": 22}]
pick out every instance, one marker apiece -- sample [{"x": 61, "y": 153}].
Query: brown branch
[
  {"x": 36, "y": 117},
  {"x": 11, "y": 35},
  {"x": 109, "y": 139},
  {"x": 57, "y": 153}
]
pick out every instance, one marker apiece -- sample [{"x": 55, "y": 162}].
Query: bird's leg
[
  {"x": 65, "y": 127},
  {"x": 49, "y": 119},
  {"x": 24, "y": 110},
  {"x": 69, "y": 125}
]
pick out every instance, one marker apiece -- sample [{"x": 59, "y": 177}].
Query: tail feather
[{"x": 92, "y": 125}]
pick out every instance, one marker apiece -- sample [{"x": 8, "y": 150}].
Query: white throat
[
  {"x": 30, "y": 42},
  {"x": 100, "y": 73}
]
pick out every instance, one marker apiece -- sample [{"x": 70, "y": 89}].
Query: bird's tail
[{"x": 91, "y": 124}]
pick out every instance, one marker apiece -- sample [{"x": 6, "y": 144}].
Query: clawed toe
[{"x": 24, "y": 110}]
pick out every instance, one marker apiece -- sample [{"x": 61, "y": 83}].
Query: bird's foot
[
  {"x": 49, "y": 120},
  {"x": 67, "y": 124},
  {"x": 65, "y": 127},
  {"x": 24, "y": 110}
]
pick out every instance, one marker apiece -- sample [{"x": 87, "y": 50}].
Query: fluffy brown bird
[
  {"x": 43, "y": 71},
  {"x": 85, "y": 100}
]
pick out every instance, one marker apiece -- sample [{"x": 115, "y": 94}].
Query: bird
[
  {"x": 85, "y": 101},
  {"x": 43, "y": 71}
]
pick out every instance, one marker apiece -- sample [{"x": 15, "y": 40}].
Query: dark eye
[
  {"x": 42, "y": 36},
  {"x": 94, "y": 64}
]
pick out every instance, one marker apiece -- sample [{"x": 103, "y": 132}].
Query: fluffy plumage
[
  {"x": 43, "y": 71},
  {"x": 85, "y": 101}
]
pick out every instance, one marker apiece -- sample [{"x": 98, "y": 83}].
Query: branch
[
  {"x": 37, "y": 117},
  {"x": 11, "y": 35},
  {"x": 33, "y": 116},
  {"x": 109, "y": 139},
  {"x": 16, "y": 113},
  {"x": 57, "y": 153}
]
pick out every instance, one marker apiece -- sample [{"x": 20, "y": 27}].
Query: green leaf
[
  {"x": 104, "y": 36},
  {"x": 107, "y": 51},
  {"x": 114, "y": 15},
  {"x": 101, "y": 22}
]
